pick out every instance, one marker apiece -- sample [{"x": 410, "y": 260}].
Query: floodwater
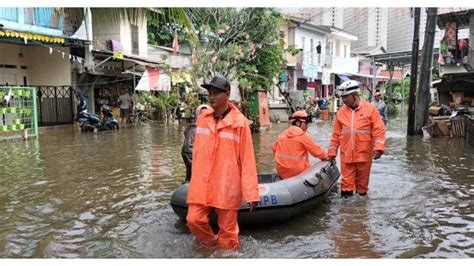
[{"x": 106, "y": 195}]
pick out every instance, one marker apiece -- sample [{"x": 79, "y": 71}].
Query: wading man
[
  {"x": 223, "y": 169},
  {"x": 360, "y": 133}
]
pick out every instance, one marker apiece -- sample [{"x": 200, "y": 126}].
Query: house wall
[
  {"x": 308, "y": 35},
  {"x": 48, "y": 69},
  {"x": 126, "y": 34},
  {"x": 104, "y": 28},
  {"x": 42, "y": 68}
]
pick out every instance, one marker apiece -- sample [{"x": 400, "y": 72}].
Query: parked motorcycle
[{"x": 92, "y": 122}]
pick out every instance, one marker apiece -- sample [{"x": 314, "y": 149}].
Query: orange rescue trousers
[
  {"x": 198, "y": 224},
  {"x": 355, "y": 176}
]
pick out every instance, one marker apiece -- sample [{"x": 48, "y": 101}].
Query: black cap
[{"x": 218, "y": 83}]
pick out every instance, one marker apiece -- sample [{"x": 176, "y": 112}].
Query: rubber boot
[{"x": 346, "y": 194}]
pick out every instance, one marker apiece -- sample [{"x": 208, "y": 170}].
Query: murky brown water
[{"x": 107, "y": 195}]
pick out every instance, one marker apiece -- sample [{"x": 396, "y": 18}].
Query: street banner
[{"x": 326, "y": 78}]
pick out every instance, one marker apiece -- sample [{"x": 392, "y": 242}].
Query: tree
[{"x": 244, "y": 45}]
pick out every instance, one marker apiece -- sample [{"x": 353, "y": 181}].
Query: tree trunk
[{"x": 423, "y": 92}]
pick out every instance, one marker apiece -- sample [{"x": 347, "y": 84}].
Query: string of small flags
[
  {"x": 64, "y": 55},
  {"x": 42, "y": 38}
]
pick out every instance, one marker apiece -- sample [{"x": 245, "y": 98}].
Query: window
[
  {"x": 345, "y": 51},
  {"x": 47, "y": 17},
  {"x": 9, "y": 14},
  {"x": 135, "y": 47}
]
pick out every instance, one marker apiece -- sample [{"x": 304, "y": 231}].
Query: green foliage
[
  {"x": 392, "y": 110},
  {"x": 160, "y": 33},
  {"x": 292, "y": 50},
  {"x": 398, "y": 89},
  {"x": 244, "y": 45}
]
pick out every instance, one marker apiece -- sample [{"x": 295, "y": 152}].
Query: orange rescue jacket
[
  {"x": 290, "y": 152},
  {"x": 223, "y": 168},
  {"x": 358, "y": 132}
]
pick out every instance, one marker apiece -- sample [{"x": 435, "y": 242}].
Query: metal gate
[{"x": 55, "y": 105}]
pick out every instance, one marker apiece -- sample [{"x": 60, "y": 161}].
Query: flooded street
[{"x": 107, "y": 195}]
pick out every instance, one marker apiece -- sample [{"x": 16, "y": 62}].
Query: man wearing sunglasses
[{"x": 291, "y": 149}]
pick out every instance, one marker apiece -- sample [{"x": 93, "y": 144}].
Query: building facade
[
  {"x": 326, "y": 16},
  {"x": 370, "y": 25}
]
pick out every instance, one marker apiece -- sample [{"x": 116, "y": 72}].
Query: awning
[
  {"x": 130, "y": 58},
  {"x": 153, "y": 80},
  {"x": 343, "y": 77},
  {"x": 436, "y": 82}
]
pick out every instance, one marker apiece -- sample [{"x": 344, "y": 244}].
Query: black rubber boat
[{"x": 279, "y": 199}]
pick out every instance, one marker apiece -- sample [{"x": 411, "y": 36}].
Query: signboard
[
  {"x": 118, "y": 55},
  {"x": 310, "y": 71},
  {"x": 326, "y": 77}
]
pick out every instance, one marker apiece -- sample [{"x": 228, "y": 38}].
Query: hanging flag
[
  {"x": 153, "y": 80},
  {"x": 175, "y": 42}
]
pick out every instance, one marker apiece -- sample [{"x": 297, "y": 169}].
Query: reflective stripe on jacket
[
  {"x": 290, "y": 152},
  {"x": 223, "y": 169},
  {"x": 358, "y": 132}
]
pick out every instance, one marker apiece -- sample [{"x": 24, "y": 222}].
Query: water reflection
[{"x": 351, "y": 234}]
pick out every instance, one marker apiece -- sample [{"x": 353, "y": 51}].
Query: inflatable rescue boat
[{"x": 279, "y": 199}]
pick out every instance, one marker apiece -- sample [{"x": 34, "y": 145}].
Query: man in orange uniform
[
  {"x": 290, "y": 151},
  {"x": 223, "y": 169},
  {"x": 360, "y": 133}
]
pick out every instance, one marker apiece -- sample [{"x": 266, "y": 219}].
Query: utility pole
[
  {"x": 423, "y": 92},
  {"x": 403, "y": 91},
  {"x": 414, "y": 70},
  {"x": 374, "y": 73}
]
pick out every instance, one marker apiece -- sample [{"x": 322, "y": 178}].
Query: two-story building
[
  {"x": 339, "y": 61},
  {"x": 36, "y": 49},
  {"x": 118, "y": 55},
  {"x": 303, "y": 71},
  {"x": 324, "y": 55},
  {"x": 99, "y": 50}
]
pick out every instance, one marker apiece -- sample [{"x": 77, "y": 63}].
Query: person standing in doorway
[
  {"x": 360, "y": 133},
  {"x": 124, "y": 101},
  {"x": 223, "y": 170}
]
